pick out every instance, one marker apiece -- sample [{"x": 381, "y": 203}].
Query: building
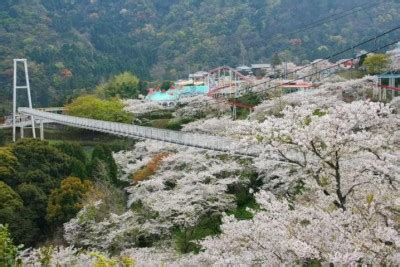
[
  {"x": 388, "y": 84},
  {"x": 261, "y": 70},
  {"x": 245, "y": 70},
  {"x": 346, "y": 64},
  {"x": 183, "y": 83},
  {"x": 199, "y": 78},
  {"x": 172, "y": 96}
]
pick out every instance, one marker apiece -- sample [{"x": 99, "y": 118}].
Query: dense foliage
[
  {"x": 93, "y": 107},
  {"x": 34, "y": 191},
  {"x": 125, "y": 85},
  {"x": 103, "y": 166},
  {"x": 65, "y": 202},
  {"x": 377, "y": 63},
  {"x": 323, "y": 189},
  {"x": 77, "y": 44}
]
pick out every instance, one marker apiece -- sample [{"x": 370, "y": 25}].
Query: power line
[
  {"x": 336, "y": 54},
  {"x": 363, "y": 6},
  {"x": 333, "y": 17},
  {"x": 328, "y": 68}
]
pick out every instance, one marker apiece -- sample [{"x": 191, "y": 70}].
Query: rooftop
[
  {"x": 243, "y": 67},
  {"x": 198, "y": 74},
  {"x": 261, "y": 66}
]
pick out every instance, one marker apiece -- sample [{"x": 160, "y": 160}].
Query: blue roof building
[{"x": 176, "y": 94}]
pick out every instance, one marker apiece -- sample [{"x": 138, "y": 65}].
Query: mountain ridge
[{"x": 77, "y": 44}]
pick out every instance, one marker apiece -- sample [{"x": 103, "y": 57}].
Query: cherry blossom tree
[
  {"x": 187, "y": 185},
  {"x": 283, "y": 234},
  {"x": 334, "y": 175},
  {"x": 187, "y": 177},
  {"x": 137, "y": 106},
  {"x": 342, "y": 148},
  {"x": 330, "y": 171}
]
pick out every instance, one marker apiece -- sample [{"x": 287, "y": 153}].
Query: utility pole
[
  {"x": 15, "y": 89},
  {"x": 286, "y": 70}
]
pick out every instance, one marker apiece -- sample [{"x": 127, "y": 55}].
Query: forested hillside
[{"x": 77, "y": 44}]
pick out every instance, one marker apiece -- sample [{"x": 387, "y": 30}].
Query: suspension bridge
[
  {"x": 25, "y": 117},
  {"x": 207, "y": 142},
  {"x": 225, "y": 83}
]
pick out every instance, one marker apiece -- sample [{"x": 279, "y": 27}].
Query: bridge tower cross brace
[{"x": 16, "y": 87}]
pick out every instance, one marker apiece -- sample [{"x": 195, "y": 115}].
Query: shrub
[
  {"x": 65, "y": 202},
  {"x": 104, "y": 261},
  {"x": 8, "y": 251},
  {"x": 142, "y": 175},
  {"x": 150, "y": 168},
  {"x": 185, "y": 239},
  {"x": 103, "y": 166},
  {"x": 177, "y": 124}
]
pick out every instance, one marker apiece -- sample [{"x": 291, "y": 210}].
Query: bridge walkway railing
[{"x": 202, "y": 141}]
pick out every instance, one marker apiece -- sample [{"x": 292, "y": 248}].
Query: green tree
[
  {"x": 78, "y": 158},
  {"x": 34, "y": 199},
  {"x": 41, "y": 164},
  {"x": 377, "y": 63},
  {"x": 65, "y": 202},
  {"x": 125, "y": 85},
  {"x": 166, "y": 85},
  {"x": 93, "y": 107},
  {"x": 143, "y": 87},
  {"x": 78, "y": 169},
  {"x": 8, "y": 251},
  {"x": 8, "y": 164},
  {"x": 10, "y": 203},
  {"x": 2, "y": 138},
  {"x": 73, "y": 150},
  {"x": 103, "y": 165},
  {"x": 275, "y": 60},
  {"x": 32, "y": 226},
  {"x": 13, "y": 213},
  {"x": 33, "y": 169}
]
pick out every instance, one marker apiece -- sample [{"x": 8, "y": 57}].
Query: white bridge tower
[{"x": 26, "y": 87}]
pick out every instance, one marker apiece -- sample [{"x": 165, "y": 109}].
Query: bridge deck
[
  {"x": 26, "y": 123},
  {"x": 207, "y": 142}
]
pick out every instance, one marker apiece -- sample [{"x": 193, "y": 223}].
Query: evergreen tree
[
  {"x": 66, "y": 201},
  {"x": 103, "y": 165}
]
